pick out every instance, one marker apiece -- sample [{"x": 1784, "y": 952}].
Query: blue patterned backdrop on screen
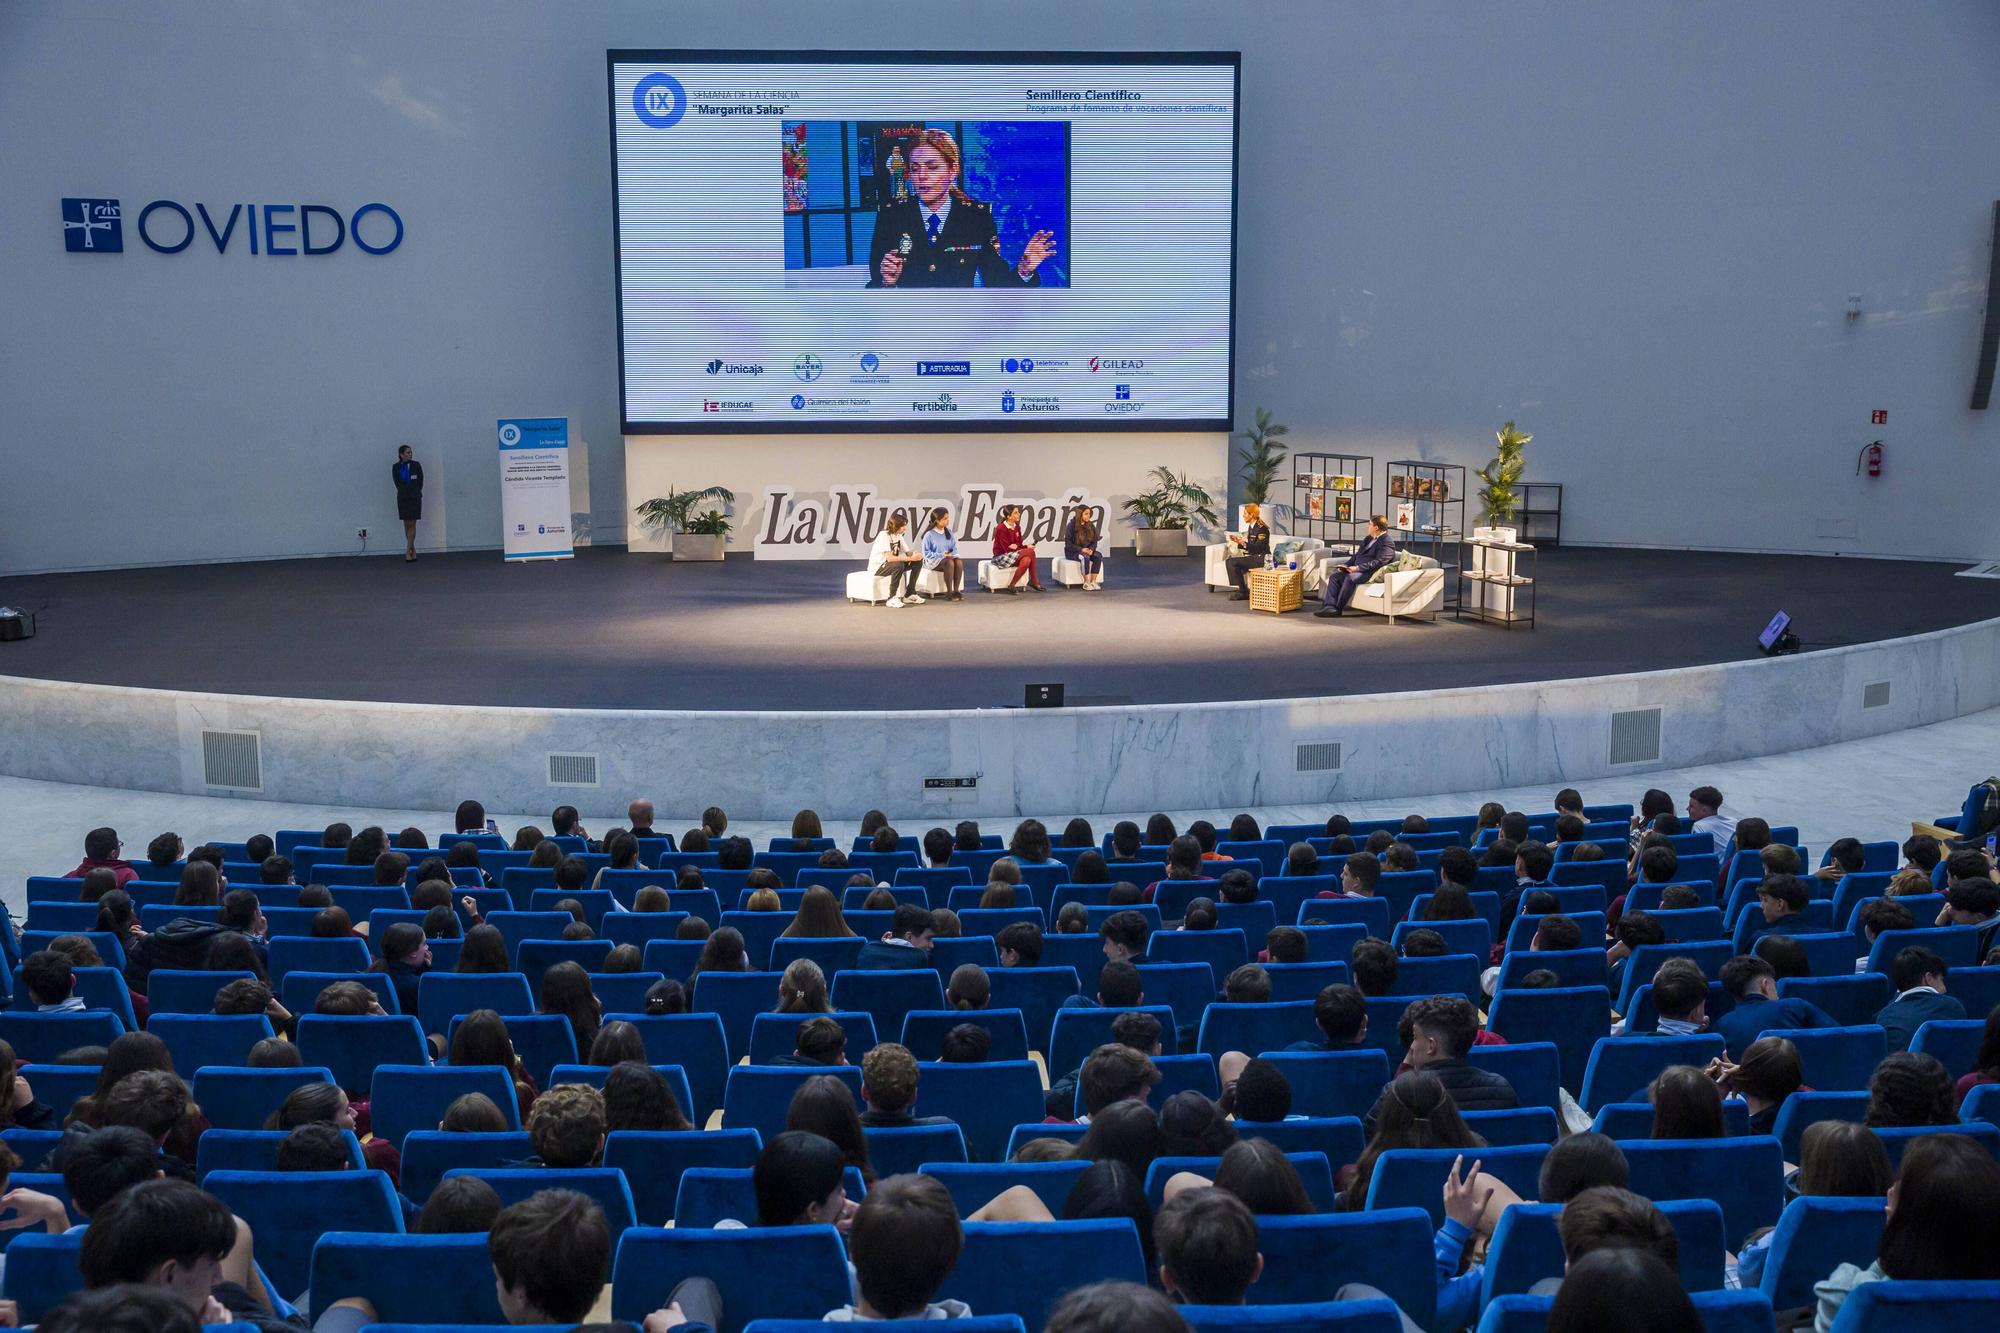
[
  {"x": 834, "y": 180},
  {"x": 1022, "y": 169}
]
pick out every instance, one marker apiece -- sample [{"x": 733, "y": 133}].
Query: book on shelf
[
  {"x": 1399, "y": 485},
  {"x": 1426, "y": 488},
  {"x": 1343, "y": 508},
  {"x": 1315, "y": 505},
  {"x": 1406, "y": 514},
  {"x": 1342, "y": 481},
  {"x": 1303, "y": 480},
  {"x": 1319, "y": 481}
]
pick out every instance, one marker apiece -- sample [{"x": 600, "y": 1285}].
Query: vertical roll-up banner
[{"x": 534, "y": 488}]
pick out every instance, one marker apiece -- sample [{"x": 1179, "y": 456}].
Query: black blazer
[
  {"x": 879, "y": 957},
  {"x": 1373, "y": 553},
  {"x": 414, "y": 483},
  {"x": 967, "y": 244}
]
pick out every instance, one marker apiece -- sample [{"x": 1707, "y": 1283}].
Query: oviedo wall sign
[{"x": 97, "y": 226}]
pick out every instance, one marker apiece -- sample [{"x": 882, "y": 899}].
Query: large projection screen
[{"x": 923, "y": 241}]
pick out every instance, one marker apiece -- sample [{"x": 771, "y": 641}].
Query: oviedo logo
[
  {"x": 659, "y": 100},
  {"x": 165, "y": 226}
]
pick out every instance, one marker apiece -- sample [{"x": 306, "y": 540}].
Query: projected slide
[{"x": 921, "y": 242}]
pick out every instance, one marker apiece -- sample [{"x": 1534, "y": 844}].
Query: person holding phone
[
  {"x": 894, "y": 558},
  {"x": 1254, "y": 543},
  {"x": 409, "y": 477},
  {"x": 941, "y": 554}
]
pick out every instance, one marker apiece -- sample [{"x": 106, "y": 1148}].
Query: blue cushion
[
  {"x": 353, "y": 1046},
  {"x": 1623, "y": 1066},
  {"x": 1934, "y": 1307},
  {"x": 1414, "y": 1177},
  {"x": 889, "y": 995},
  {"x": 429, "y": 1153},
  {"x": 758, "y": 1097},
  {"x": 1255, "y": 1027},
  {"x": 775, "y": 1035},
  {"x": 1333, "y": 1083},
  {"x": 985, "y": 1100},
  {"x": 654, "y": 1161},
  {"x": 41, "y": 1270},
  {"x": 1309, "y": 1258},
  {"x": 1330, "y": 1316},
  {"x": 289, "y": 1212},
  {"x": 973, "y": 1185},
  {"x": 1813, "y": 1237},
  {"x": 1745, "y": 1175},
  {"x": 1314, "y": 1169},
  {"x": 421, "y": 1279},
  {"x": 1527, "y": 1247},
  {"x": 900, "y": 1150},
  {"x": 1572, "y": 1018},
  {"x": 170, "y": 992},
  {"x": 924, "y": 1031},
  {"x": 253, "y": 1150},
  {"x": 197, "y": 1040},
  {"x": 245, "y": 1098},
  {"x": 604, "y": 1185},
  {"x": 407, "y": 1097},
  {"x": 443, "y": 996}
]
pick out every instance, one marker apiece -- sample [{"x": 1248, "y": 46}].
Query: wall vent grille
[
  {"x": 232, "y": 759},
  {"x": 572, "y": 770},
  {"x": 1875, "y": 694},
  {"x": 1319, "y": 757},
  {"x": 1635, "y": 736}
]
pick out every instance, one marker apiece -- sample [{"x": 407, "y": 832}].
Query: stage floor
[{"x": 612, "y": 630}]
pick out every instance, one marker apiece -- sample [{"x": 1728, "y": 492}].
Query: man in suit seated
[
  {"x": 1341, "y": 580},
  {"x": 907, "y": 943},
  {"x": 1918, "y": 975},
  {"x": 1782, "y": 899},
  {"x": 1758, "y": 1010}
]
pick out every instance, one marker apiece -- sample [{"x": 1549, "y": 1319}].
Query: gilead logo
[{"x": 167, "y": 227}]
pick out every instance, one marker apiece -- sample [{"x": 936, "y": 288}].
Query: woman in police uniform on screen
[{"x": 939, "y": 238}]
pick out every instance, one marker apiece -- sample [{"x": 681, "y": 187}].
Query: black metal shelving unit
[
  {"x": 1486, "y": 564},
  {"x": 1353, "y": 501},
  {"x": 1540, "y": 517},
  {"x": 1433, "y": 524}
]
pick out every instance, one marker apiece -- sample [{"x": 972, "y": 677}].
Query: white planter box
[
  {"x": 698, "y": 546},
  {"x": 1160, "y": 541}
]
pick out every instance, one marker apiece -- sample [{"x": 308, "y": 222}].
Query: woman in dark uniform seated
[
  {"x": 409, "y": 476},
  {"x": 1255, "y": 543}
]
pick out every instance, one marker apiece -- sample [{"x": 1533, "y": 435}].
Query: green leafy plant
[
  {"x": 1498, "y": 500},
  {"x": 714, "y": 523},
  {"x": 1172, "y": 502},
  {"x": 1263, "y": 458},
  {"x": 675, "y": 511}
]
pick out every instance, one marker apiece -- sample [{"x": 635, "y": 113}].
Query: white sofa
[
  {"x": 1403, "y": 592},
  {"x": 1069, "y": 573},
  {"x": 865, "y": 585},
  {"x": 1215, "y": 567}
]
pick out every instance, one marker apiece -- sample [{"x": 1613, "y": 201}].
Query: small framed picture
[
  {"x": 1315, "y": 505},
  {"x": 1343, "y": 508},
  {"x": 1399, "y": 485}
]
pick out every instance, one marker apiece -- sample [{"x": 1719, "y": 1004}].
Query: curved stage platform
[
  {"x": 760, "y": 688},
  {"x": 611, "y": 630}
]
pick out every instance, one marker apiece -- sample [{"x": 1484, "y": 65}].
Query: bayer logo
[
  {"x": 807, "y": 367},
  {"x": 659, "y": 101},
  {"x": 510, "y": 434}
]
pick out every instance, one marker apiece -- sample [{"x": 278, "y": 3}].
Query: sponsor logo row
[
  {"x": 870, "y": 368},
  {"x": 1119, "y": 402}
]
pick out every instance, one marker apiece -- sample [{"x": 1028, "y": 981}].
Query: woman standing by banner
[{"x": 409, "y": 476}]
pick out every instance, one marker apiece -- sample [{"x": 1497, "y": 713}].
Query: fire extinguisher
[{"x": 1871, "y": 458}]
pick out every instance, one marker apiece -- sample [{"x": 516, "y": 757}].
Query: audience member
[{"x": 1918, "y": 975}]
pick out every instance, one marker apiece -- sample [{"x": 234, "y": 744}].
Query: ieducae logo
[
  {"x": 93, "y": 226},
  {"x": 660, "y": 101}
]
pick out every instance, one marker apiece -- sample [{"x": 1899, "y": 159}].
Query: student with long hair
[
  {"x": 940, "y": 552},
  {"x": 1084, "y": 544},
  {"x": 823, "y": 1105},
  {"x": 819, "y": 917},
  {"x": 1837, "y": 1159},
  {"x": 802, "y": 989},
  {"x": 1685, "y": 1105},
  {"x": 566, "y": 991},
  {"x": 482, "y": 1039},
  {"x": 1415, "y": 1112},
  {"x": 1944, "y": 1210}
]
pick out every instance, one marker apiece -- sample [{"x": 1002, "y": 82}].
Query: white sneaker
[
  {"x": 896, "y": 602},
  {"x": 914, "y": 599}
]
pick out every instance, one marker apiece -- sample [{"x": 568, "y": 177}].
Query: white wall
[{"x": 1631, "y": 228}]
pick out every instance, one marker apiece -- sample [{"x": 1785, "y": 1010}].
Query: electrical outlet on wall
[{"x": 362, "y": 534}]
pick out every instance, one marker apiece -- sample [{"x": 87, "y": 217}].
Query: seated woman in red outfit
[{"x": 1010, "y": 552}]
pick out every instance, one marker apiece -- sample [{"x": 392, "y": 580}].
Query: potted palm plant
[
  {"x": 1165, "y": 511},
  {"x": 691, "y": 535},
  {"x": 1262, "y": 459}
]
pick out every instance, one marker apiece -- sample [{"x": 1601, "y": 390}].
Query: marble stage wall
[{"x": 1078, "y": 760}]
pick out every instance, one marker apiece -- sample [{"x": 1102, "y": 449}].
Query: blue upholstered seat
[
  {"x": 775, "y": 1035},
  {"x": 985, "y": 1100},
  {"x": 1310, "y": 1258},
  {"x": 1744, "y": 1174},
  {"x": 1814, "y": 1236},
  {"x": 407, "y": 1097},
  {"x": 299, "y": 992},
  {"x": 888, "y": 995},
  {"x": 420, "y": 1279},
  {"x": 602, "y": 1184},
  {"x": 900, "y": 1150},
  {"x": 244, "y": 1098},
  {"x": 169, "y": 992},
  {"x": 1255, "y": 1027},
  {"x": 353, "y": 1046},
  {"x": 1840, "y": 1059},
  {"x": 1621, "y": 1068},
  {"x": 975, "y": 1184},
  {"x": 1339, "y": 1138},
  {"x": 737, "y": 998},
  {"x": 1719, "y": 1311},
  {"x": 1061, "y": 1256},
  {"x": 758, "y": 1097},
  {"x": 1078, "y": 1032},
  {"x": 650, "y": 1262},
  {"x": 307, "y": 954},
  {"x": 1934, "y": 1307},
  {"x": 653, "y": 1162},
  {"x": 289, "y": 1211},
  {"x": 1315, "y": 1317},
  {"x": 197, "y": 1040},
  {"x": 253, "y": 1150},
  {"x": 1414, "y": 1177},
  {"x": 924, "y": 1030},
  {"x": 1851, "y": 999},
  {"x": 1531, "y": 1066},
  {"x": 1526, "y": 1247},
  {"x": 42, "y": 1038},
  {"x": 695, "y": 1043},
  {"x": 429, "y": 1153},
  {"x": 1333, "y": 1083},
  {"x": 1572, "y": 1018},
  {"x": 443, "y": 996}
]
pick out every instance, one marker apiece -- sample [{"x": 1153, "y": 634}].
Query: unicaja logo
[
  {"x": 659, "y": 101},
  {"x": 93, "y": 226}
]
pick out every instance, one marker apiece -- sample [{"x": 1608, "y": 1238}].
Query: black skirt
[{"x": 410, "y": 505}]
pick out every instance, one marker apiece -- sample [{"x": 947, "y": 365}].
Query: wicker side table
[{"x": 1275, "y": 590}]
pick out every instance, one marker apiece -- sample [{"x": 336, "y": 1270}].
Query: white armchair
[
  {"x": 1215, "y": 567},
  {"x": 1403, "y": 592}
]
